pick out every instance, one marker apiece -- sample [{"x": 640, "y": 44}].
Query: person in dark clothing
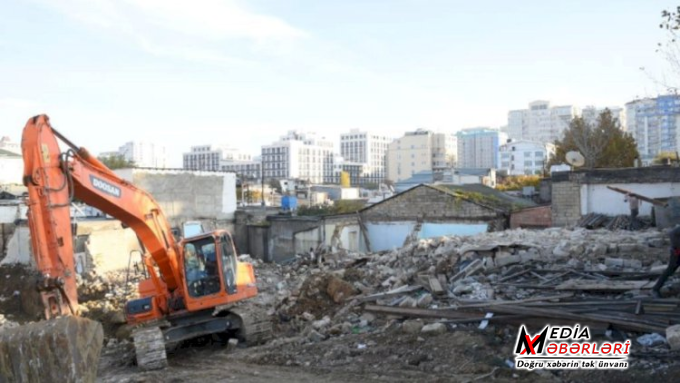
[{"x": 673, "y": 261}]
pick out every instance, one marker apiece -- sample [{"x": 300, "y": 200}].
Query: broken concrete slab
[
  {"x": 673, "y": 337},
  {"x": 424, "y": 301},
  {"x": 412, "y": 326},
  {"x": 434, "y": 329}
]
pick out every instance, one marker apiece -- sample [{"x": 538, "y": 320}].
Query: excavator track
[
  {"x": 150, "y": 348},
  {"x": 255, "y": 327}
]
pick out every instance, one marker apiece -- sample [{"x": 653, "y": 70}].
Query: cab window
[
  {"x": 201, "y": 270},
  {"x": 228, "y": 264}
]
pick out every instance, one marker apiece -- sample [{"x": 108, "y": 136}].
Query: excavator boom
[{"x": 190, "y": 295}]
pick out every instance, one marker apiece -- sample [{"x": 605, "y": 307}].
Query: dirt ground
[{"x": 391, "y": 356}]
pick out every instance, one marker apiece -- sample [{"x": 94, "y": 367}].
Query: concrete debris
[
  {"x": 651, "y": 340},
  {"x": 434, "y": 329},
  {"x": 319, "y": 324},
  {"x": 443, "y": 287},
  {"x": 315, "y": 336},
  {"x": 673, "y": 336},
  {"x": 412, "y": 326},
  {"x": 424, "y": 301}
]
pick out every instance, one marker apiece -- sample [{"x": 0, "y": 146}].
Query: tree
[
  {"x": 116, "y": 162},
  {"x": 518, "y": 182},
  {"x": 603, "y": 144},
  {"x": 669, "y": 50},
  {"x": 339, "y": 207},
  {"x": 664, "y": 157},
  {"x": 274, "y": 184}
]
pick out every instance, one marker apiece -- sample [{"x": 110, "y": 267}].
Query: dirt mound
[
  {"x": 19, "y": 299},
  {"x": 313, "y": 298}
]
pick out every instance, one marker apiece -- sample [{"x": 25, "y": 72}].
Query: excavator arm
[
  {"x": 192, "y": 292},
  {"x": 54, "y": 179}
]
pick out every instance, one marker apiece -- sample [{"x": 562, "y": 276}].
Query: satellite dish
[{"x": 575, "y": 159}]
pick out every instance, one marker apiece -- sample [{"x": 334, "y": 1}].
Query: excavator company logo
[
  {"x": 104, "y": 186},
  {"x": 551, "y": 349}
]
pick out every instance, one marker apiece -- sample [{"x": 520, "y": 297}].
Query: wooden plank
[
  {"x": 472, "y": 266},
  {"x": 442, "y": 279},
  {"x": 436, "y": 287},
  {"x": 420, "y": 313},
  {"x": 556, "y": 278},
  {"x": 578, "y": 318},
  {"x": 526, "y": 286},
  {"x": 398, "y": 291},
  {"x": 515, "y": 275},
  {"x": 638, "y": 196},
  {"x": 577, "y": 285},
  {"x": 479, "y": 304}
]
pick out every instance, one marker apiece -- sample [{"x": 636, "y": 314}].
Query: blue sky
[{"x": 243, "y": 72}]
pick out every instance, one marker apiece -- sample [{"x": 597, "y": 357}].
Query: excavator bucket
[{"x": 65, "y": 349}]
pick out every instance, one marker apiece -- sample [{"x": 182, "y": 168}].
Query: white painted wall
[
  {"x": 10, "y": 213},
  {"x": 18, "y": 247},
  {"x": 599, "y": 199},
  {"x": 109, "y": 250},
  {"x": 388, "y": 235}
]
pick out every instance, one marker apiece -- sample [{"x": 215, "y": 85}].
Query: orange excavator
[{"x": 191, "y": 290}]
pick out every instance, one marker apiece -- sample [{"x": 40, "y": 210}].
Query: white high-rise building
[
  {"x": 541, "y": 122},
  {"x": 212, "y": 157},
  {"x": 362, "y": 147},
  {"x": 143, "y": 154},
  {"x": 301, "y": 156},
  {"x": 655, "y": 125},
  {"x": 523, "y": 157},
  {"x": 591, "y": 114},
  {"x": 478, "y": 148},
  {"x": 422, "y": 150},
  {"x": 251, "y": 169}
]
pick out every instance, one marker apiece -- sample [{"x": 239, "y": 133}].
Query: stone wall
[
  {"x": 424, "y": 202},
  {"x": 535, "y": 217}
]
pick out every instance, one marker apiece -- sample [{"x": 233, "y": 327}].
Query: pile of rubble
[{"x": 468, "y": 281}]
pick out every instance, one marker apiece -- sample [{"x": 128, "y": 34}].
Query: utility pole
[{"x": 262, "y": 194}]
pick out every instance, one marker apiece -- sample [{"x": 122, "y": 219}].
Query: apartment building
[
  {"x": 541, "y": 122},
  {"x": 590, "y": 114},
  {"x": 421, "y": 150},
  {"x": 297, "y": 155},
  {"x": 211, "y": 157},
  {"x": 524, "y": 157},
  {"x": 478, "y": 147},
  {"x": 655, "y": 125},
  {"x": 363, "y": 147},
  {"x": 143, "y": 154}
]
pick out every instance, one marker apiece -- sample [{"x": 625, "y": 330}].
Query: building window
[{"x": 538, "y": 154}]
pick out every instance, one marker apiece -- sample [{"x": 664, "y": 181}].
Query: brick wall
[
  {"x": 535, "y": 217},
  {"x": 566, "y": 203},
  {"x": 426, "y": 202}
]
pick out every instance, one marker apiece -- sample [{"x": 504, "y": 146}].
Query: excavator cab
[{"x": 210, "y": 268}]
